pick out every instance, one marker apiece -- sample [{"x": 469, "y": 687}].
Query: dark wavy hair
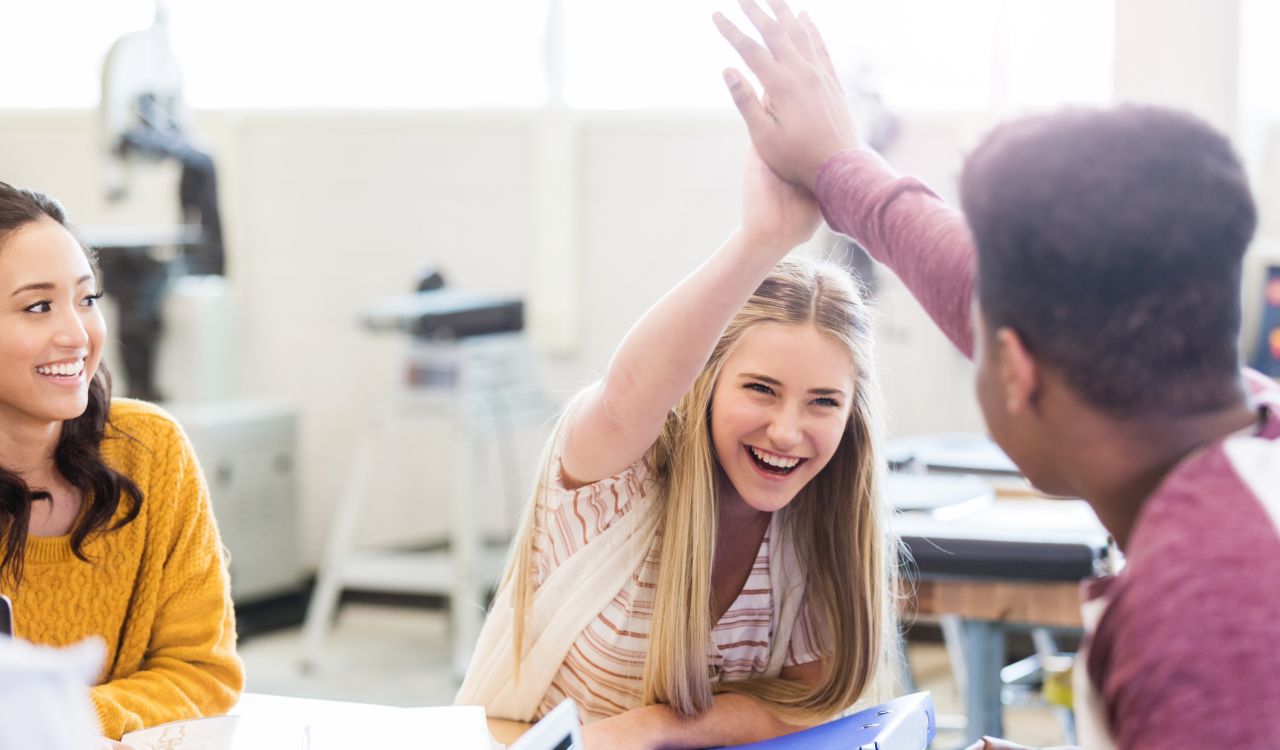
[{"x": 78, "y": 455}]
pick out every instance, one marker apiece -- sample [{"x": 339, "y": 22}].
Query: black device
[
  {"x": 6, "y": 616},
  {"x": 439, "y": 312}
]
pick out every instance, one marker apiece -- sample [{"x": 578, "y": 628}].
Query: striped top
[{"x": 604, "y": 668}]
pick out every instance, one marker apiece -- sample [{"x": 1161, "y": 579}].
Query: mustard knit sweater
[{"x": 155, "y": 590}]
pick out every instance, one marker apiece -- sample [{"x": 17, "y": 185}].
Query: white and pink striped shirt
[{"x": 604, "y": 668}]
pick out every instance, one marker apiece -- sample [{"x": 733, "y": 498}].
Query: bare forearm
[
  {"x": 662, "y": 355},
  {"x": 732, "y": 720}
]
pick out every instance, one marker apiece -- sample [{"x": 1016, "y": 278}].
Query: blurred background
[{"x": 573, "y": 158}]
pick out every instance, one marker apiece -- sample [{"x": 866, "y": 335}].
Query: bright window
[
  {"x": 923, "y": 54},
  {"x": 938, "y": 55},
  {"x": 362, "y": 54}
]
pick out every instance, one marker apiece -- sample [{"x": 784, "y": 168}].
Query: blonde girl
[{"x": 704, "y": 560}]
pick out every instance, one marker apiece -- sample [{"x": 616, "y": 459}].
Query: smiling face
[
  {"x": 51, "y": 330},
  {"x": 780, "y": 407}
]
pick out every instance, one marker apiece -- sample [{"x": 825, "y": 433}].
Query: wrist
[
  {"x": 757, "y": 241},
  {"x": 813, "y": 174}
]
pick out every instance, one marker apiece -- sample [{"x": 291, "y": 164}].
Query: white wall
[{"x": 325, "y": 212}]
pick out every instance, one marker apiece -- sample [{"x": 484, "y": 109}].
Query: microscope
[{"x": 143, "y": 122}]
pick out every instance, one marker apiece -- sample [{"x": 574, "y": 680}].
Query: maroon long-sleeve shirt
[{"x": 1183, "y": 648}]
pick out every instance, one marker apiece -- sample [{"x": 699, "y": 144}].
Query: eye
[
  {"x": 43, "y": 306},
  {"x": 91, "y": 300},
  {"x": 828, "y": 402},
  {"x": 758, "y": 388}
]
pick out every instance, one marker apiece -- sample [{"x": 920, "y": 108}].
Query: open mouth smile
[
  {"x": 62, "y": 370},
  {"x": 773, "y": 463}
]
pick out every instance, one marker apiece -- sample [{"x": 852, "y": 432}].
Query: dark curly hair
[
  {"x": 78, "y": 455},
  {"x": 1112, "y": 241}
]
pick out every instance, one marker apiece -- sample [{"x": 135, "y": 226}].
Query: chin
[
  {"x": 769, "y": 502},
  {"x": 69, "y": 411},
  {"x": 1054, "y": 487}
]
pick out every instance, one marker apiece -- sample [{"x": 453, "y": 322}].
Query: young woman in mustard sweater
[{"x": 105, "y": 523}]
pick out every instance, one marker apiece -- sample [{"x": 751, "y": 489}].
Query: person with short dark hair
[
  {"x": 106, "y": 528},
  {"x": 1094, "y": 277}
]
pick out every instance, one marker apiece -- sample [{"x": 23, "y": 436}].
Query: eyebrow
[
  {"x": 776, "y": 382},
  {"x": 43, "y": 286}
]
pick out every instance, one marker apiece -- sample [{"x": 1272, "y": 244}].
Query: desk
[
  {"x": 463, "y": 719},
  {"x": 507, "y": 731},
  {"x": 270, "y": 721},
  {"x": 1046, "y": 603},
  {"x": 1018, "y": 561}
]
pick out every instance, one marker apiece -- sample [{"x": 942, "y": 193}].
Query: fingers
[
  {"x": 755, "y": 56},
  {"x": 774, "y": 35},
  {"x": 791, "y": 27},
  {"x": 819, "y": 46},
  {"x": 744, "y": 98}
]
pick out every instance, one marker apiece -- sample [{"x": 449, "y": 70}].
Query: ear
[{"x": 1019, "y": 371}]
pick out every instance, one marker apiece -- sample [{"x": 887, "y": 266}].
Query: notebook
[
  {"x": 558, "y": 730},
  {"x": 907, "y": 723}
]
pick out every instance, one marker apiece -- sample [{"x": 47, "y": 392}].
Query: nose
[
  {"x": 784, "y": 430},
  {"x": 70, "y": 332}
]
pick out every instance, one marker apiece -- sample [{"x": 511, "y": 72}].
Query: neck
[
  {"x": 732, "y": 512},
  {"x": 26, "y": 448},
  {"x": 1118, "y": 465}
]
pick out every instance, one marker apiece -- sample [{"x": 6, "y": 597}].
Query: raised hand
[
  {"x": 775, "y": 213},
  {"x": 802, "y": 117}
]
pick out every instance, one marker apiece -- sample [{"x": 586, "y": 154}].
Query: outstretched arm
[
  {"x": 733, "y": 719},
  {"x": 621, "y": 416},
  {"x": 803, "y": 129}
]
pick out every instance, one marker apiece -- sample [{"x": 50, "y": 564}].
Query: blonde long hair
[{"x": 837, "y": 521}]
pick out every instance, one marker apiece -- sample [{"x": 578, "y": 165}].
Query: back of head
[{"x": 1112, "y": 242}]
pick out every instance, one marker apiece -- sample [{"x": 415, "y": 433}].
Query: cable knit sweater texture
[{"x": 156, "y": 591}]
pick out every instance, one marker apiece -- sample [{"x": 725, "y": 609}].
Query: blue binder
[{"x": 906, "y": 723}]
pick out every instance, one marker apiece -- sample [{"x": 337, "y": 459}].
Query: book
[{"x": 906, "y": 723}]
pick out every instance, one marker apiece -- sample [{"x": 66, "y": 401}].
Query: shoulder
[
  {"x": 140, "y": 438},
  {"x": 141, "y": 420},
  {"x": 1186, "y": 635}
]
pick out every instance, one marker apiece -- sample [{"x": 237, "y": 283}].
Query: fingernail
[{"x": 730, "y": 78}]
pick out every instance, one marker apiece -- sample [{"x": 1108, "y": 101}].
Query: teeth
[
  {"x": 62, "y": 369},
  {"x": 778, "y": 461}
]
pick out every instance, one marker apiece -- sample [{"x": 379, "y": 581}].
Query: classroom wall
[{"x": 327, "y": 211}]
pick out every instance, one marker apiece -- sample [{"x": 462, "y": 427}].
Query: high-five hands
[
  {"x": 802, "y": 117},
  {"x": 775, "y": 214}
]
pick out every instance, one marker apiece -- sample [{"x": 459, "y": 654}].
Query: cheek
[
  {"x": 982, "y": 385},
  {"x": 726, "y": 423},
  {"x": 95, "y": 328},
  {"x": 15, "y": 346},
  {"x": 826, "y": 440}
]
